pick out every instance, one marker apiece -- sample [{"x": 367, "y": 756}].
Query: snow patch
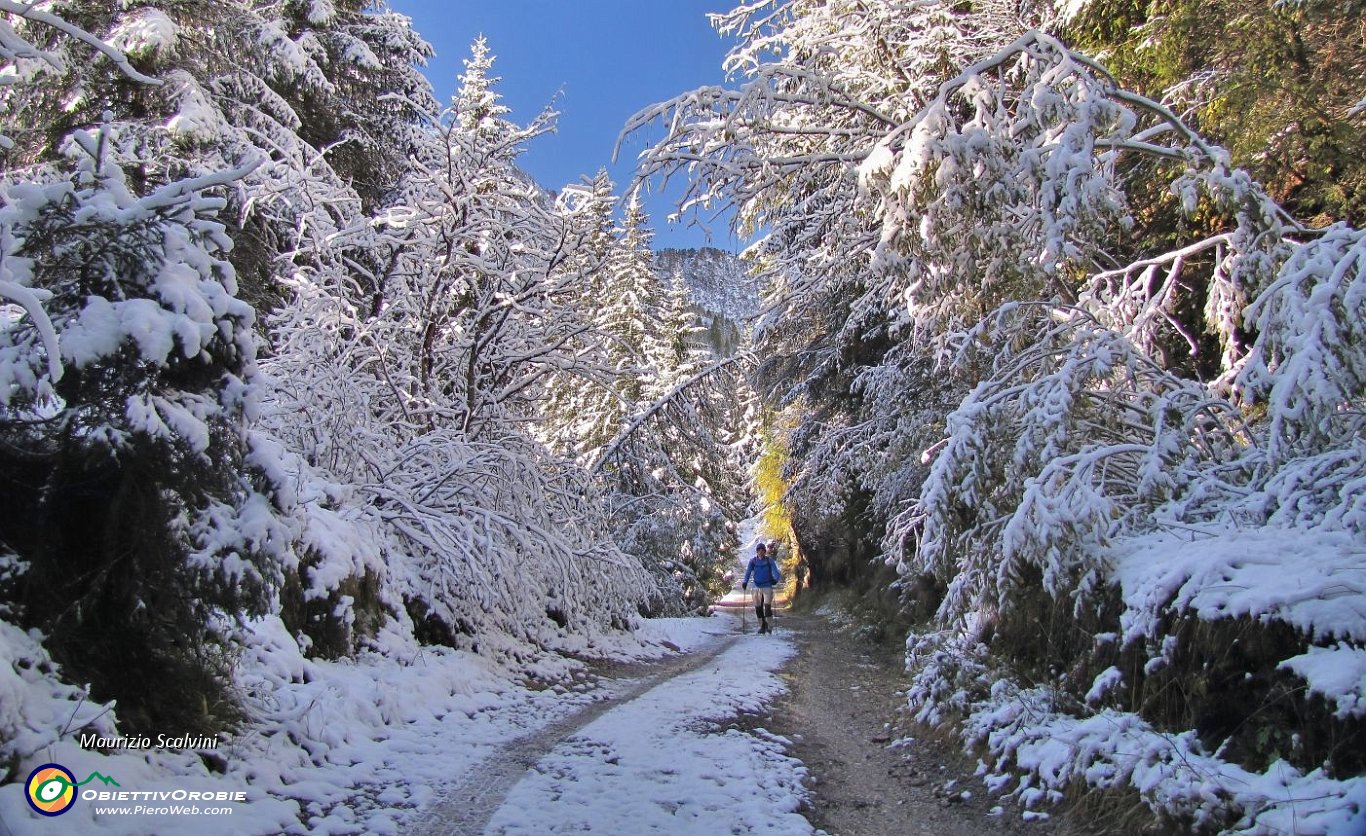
[
  {"x": 145, "y": 34},
  {"x": 1312, "y": 580},
  {"x": 1173, "y": 773},
  {"x": 366, "y": 745},
  {"x": 1337, "y": 673}
]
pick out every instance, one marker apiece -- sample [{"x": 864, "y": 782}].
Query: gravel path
[{"x": 843, "y": 691}]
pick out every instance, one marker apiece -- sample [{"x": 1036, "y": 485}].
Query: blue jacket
[{"x": 764, "y": 570}]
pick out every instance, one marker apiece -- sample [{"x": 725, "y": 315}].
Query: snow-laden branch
[
  {"x": 27, "y": 11},
  {"x": 996, "y": 282},
  {"x": 31, "y": 300},
  {"x": 608, "y": 452}
]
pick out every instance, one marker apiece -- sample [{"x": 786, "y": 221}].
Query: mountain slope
[{"x": 723, "y": 293}]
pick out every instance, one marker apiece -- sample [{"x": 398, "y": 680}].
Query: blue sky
[{"x": 597, "y": 62}]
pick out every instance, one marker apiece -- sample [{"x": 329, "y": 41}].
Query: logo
[{"x": 51, "y": 788}]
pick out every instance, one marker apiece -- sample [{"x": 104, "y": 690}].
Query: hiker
[{"x": 764, "y": 569}]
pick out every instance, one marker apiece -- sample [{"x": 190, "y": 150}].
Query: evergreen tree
[
  {"x": 671, "y": 468},
  {"x": 1277, "y": 84},
  {"x": 676, "y": 354},
  {"x": 584, "y": 405},
  {"x": 322, "y": 96},
  {"x": 131, "y": 501}
]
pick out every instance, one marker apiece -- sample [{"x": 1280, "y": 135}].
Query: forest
[{"x": 1058, "y": 373}]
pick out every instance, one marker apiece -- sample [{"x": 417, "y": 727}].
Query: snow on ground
[
  {"x": 671, "y": 761},
  {"x": 360, "y": 746},
  {"x": 1313, "y": 580},
  {"x": 1337, "y": 673},
  {"x": 1172, "y": 771}
]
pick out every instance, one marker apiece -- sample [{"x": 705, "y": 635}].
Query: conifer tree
[
  {"x": 584, "y": 405},
  {"x": 132, "y": 504},
  {"x": 321, "y": 96}
]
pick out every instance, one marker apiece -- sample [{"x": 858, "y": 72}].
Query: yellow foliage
[{"x": 771, "y": 487}]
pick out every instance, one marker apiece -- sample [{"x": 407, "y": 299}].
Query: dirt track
[
  {"x": 843, "y": 691},
  {"x": 843, "y": 714}
]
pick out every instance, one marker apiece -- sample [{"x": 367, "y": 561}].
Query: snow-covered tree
[
  {"x": 633, "y": 293},
  {"x": 133, "y": 508},
  {"x": 322, "y": 96},
  {"x": 481, "y": 530},
  {"x": 1021, "y": 369},
  {"x": 1271, "y": 82},
  {"x": 784, "y": 148},
  {"x": 673, "y": 353},
  {"x": 675, "y": 482},
  {"x": 658, "y": 436},
  {"x": 587, "y": 402},
  {"x": 675, "y": 476}
]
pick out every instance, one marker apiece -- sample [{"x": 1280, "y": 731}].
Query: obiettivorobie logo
[{"x": 52, "y": 789}]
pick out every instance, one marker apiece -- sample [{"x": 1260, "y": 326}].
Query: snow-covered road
[
  {"x": 669, "y": 739},
  {"x": 674, "y": 760},
  {"x": 447, "y": 743},
  {"x": 675, "y": 751}
]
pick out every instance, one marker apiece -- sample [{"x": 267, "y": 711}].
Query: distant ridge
[
  {"x": 718, "y": 282},
  {"x": 723, "y": 293}
]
